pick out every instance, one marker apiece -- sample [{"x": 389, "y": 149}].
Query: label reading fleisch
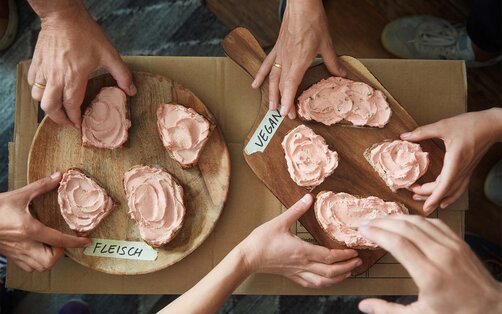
[
  {"x": 264, "y": 132},
  {"x": 121, "y": 249}
]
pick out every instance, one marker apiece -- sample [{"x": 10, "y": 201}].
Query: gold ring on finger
[
  {"x": 277, "y": 65},
  {"x": 38, "y": 85}
]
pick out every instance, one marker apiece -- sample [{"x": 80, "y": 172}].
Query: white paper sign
[
  {"x": 121, "y": 249},
  {"x": 264, "y": 133}
]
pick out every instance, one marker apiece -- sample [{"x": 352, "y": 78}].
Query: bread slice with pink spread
[
  {"x": 340, "y": 215},
  {"x": 82, "y": 201},
  {"x": 184, "y": 132},
  {"x": 309, "y": 159},
  {"x": 337, "y": 100},
  {"x": 105, "y": 123},
  {"x": 399, "y": 163}
]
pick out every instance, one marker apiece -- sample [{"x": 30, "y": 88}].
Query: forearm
[
  {"x": 208, "y": 295},
  {"x": 496, "y": 115}
]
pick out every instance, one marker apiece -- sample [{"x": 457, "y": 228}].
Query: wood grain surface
[
  {"x": 354, "y": 175},
  {"x": 57, "y": 148}
]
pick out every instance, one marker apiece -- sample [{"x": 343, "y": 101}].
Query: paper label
[
  {"x": 264, "y": 133},
  {"x": 121, "y": 249}
]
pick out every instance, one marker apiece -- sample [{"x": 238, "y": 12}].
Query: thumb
[
  {"x": 296, "y": 211},
  {"x": 421, "y": 133},
  {"x": 41, "y": 186},
  {"x": 379, "y": 306},
  {"x": 331, "y": 61},
  {"x": 120, "y": 72}
]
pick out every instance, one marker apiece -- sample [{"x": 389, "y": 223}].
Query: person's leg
[
  {"x": 75, "y": 307},
  {"x": 484, "y": 27},
  {"x": 493, "y": 184},
  {"x": 429, "y": 37}
]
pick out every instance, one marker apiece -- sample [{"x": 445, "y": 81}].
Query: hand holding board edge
[{"x": 354, "y": 175}]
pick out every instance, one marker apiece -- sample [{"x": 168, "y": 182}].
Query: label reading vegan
[
  {"x": 121, "y": 249},
  {"x": 264, "y": 133}
]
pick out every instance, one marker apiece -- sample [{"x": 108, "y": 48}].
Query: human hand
[
  {"x": 304, "y": 33},
  {"x": 450, "y": 278},
  {"x": 467, "y": 137},
  {"x": 70, "y": 47},
  {"x": 25, "y": 240},
  {"x": 272, "y": 248}
]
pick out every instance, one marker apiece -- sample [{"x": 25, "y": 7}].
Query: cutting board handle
[{"x": 242, "y": 47}]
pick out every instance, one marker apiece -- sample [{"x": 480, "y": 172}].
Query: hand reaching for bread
[
  {"x": 467, "y": 137},
  {"x": 70, "y": 47},
  {"x": 272, "y": 248},
  {"x": 450, "y": 278},
  {"x": 23, "y": 239},
  {"x": 304, "y": 34}
]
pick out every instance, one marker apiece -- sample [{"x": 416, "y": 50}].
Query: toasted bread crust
[{"x": 367, "y": 156}]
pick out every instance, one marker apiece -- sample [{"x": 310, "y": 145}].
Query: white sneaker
[
  {"x": 493, "y": 184},
  {"x": 429, "y": 37}
]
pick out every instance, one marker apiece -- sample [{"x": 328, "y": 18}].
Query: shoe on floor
[
  {"x": 493, "y": 184},
  {"x": 75, "y": 307},
  {"x": 8, "y": 23},
  {"x": 429, "y": 37},
  {"x": 281, "y": 9}
]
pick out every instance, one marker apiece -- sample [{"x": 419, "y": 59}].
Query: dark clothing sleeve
[{"x": 484, "y": 25}]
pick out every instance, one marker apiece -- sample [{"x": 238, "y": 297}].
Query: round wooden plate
[{"x": 57, "y": 148}]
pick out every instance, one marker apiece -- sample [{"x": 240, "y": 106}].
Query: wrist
[
  {"x": 311, "y": 7},
  {"x": 246, "y": 258},
  {"x": 51, "y": 12},
  {"x": 494, "y": 119}
]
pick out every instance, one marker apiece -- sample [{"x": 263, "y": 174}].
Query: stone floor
[{"x": 181, "y": 28}]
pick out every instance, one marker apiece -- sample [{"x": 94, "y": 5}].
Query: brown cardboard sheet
[{"x": 429, "y": 90}]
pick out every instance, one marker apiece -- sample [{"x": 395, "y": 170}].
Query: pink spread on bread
[
  {"x": 340, "y": 215},
  {"x": 308, "y": 158},
  {"x": 83, "y": 203},
  {"x": 183, "y": 131},
  {"x": 335, "y": 99},
  {"x": 105, "y": 122},
  {"x": 155, "y": 202},
  {"x": 399, "y": 163}
]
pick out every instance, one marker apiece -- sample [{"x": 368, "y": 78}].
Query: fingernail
[
  {"x": 365, "y": 308},
  {"x": 55, "y": 175},
  {"x": 76, "y": 126},
  {"x": 406, "y": 135},
  {"x": 348, "y": 275},
  {"x": 253, "y": 85},
  {"x": 363, "y": 229},
  {"x": 359, "y": 262},
  {"x": 291, "y": 115},
  {"x": 283, "y": 111},
  {"x": 88, "y": 244},
  {"x": 444, "y": 205},
  {"x": 364, "y": 223},
  {"x": 306, "y": 198},
  {"x": 133, "y": 89},
  {"x": 271, "y": 105}
]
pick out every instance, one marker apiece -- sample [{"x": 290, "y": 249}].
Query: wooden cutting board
[
  {"x": 354, "y": 175},
  {"x": 57, "y": 148}
]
